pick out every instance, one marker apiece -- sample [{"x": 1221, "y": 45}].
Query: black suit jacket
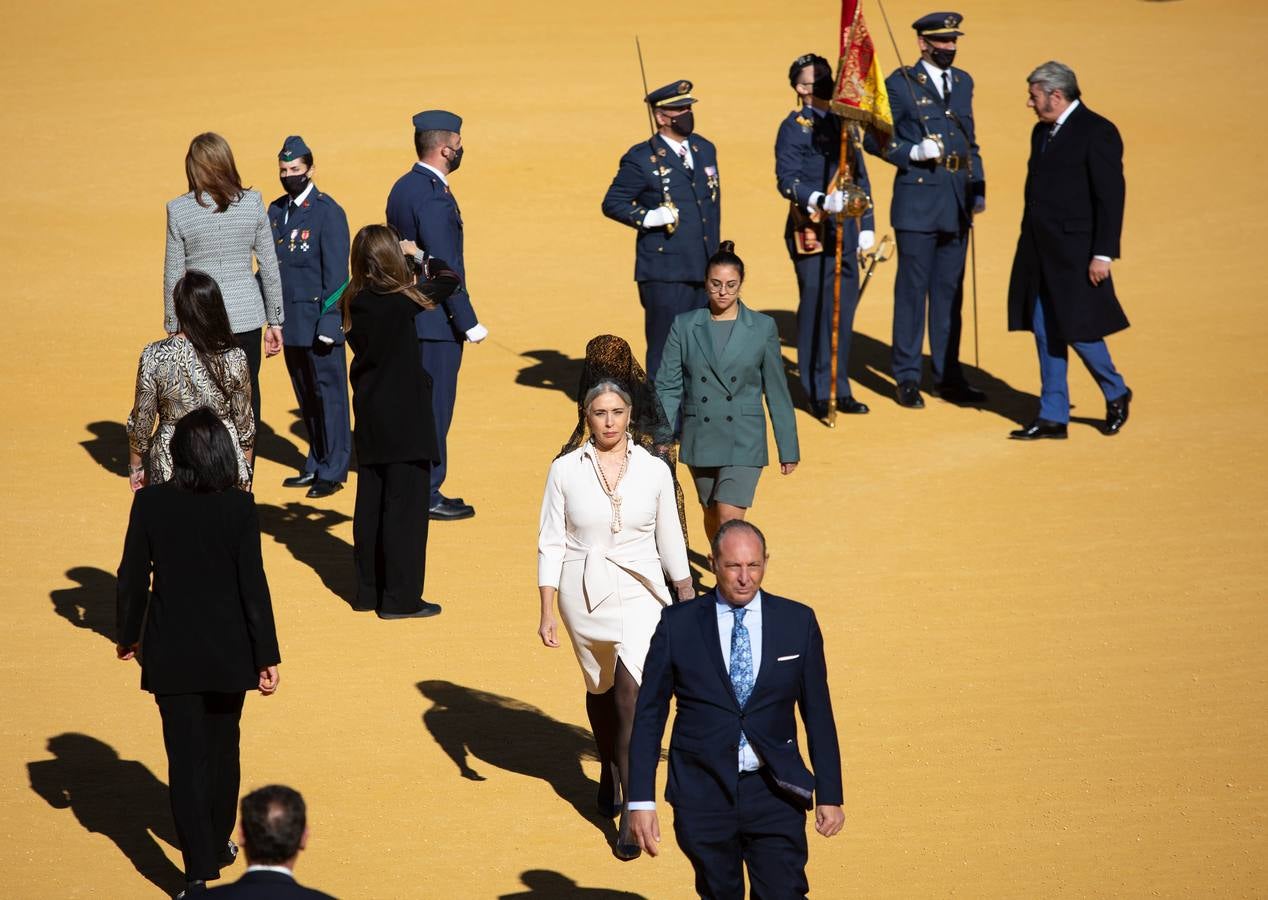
[
  {"x": 391, "y": 391},
  {"x": 208, "y": 624},
  {"x": 1075, "y": 194},
  {"x": 266, "y": 886},
  {"x": 685, "y": 661}
]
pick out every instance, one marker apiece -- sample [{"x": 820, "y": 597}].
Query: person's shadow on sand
[
  {"x": 91, "y": 605},
  {"x": 507, "y": 733},
  {"x": 552, "y": 370},
  {"x": 305, "y": 532},
  {"x": 108, "y": 446},
  {"x": 543, "y": 884},
  {"x": 119, "y": 798}
]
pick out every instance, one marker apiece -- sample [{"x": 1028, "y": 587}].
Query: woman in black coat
[
  {"x": 395, "y": 432},
  {"x": 193, "y": 603}
]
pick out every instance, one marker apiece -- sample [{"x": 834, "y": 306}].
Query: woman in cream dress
[{"x": 609, "y": 536}]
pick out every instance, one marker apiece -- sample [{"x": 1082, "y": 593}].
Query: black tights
[{"x": 611, "y": 717}]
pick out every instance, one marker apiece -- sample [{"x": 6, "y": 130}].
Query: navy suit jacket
[
  {"x": 928, "y": 196},
  {"x": 422, "y": 209},
  {"x": 648, "y": 171},
  {"x": 806, "y": 161},
  {"x": 266, "y": 886},
  {"x": 312, "y": 258},
  {"x": 685, "y": 661}
]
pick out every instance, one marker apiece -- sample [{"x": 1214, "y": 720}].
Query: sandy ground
[{"x": 1047, "y": 660}]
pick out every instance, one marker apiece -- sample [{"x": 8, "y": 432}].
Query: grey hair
[
  {"x": 606, "y": 386},
  {"x": 1055, "y": 76}
]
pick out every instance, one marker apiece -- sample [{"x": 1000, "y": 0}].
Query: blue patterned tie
[{"x": 741, "y": 664}]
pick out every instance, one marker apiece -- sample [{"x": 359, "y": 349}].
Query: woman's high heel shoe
[
  {"x": 609, "y": 799},
  {"x": 625, "y": 848}
]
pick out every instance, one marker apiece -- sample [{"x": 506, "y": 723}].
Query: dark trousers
[
  {"x": 319, "y": 375},
  {"x": 662, "y": 301},
  {"x": 815, "y": 278},
  {"x": 765, "y": 831},
  {"x": 930, "y": 267},
  {"x": 441, "y": 360},
  {"x": 249, "y": 341},
  {"x": 200, "y": 733},
  {"x": 389, "y": 535}
]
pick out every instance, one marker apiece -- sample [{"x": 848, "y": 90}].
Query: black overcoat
[{"x": 1074, "y": 200}]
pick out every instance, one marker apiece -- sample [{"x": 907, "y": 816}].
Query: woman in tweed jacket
[{"x": 216, "y": 227}]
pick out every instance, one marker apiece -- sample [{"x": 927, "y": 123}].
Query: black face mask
[
  {"x": 823, "y": 88},
  {"x": 456, "y": 160},
  {"x": 294, "y": 184},
  {"x": 941, "y": 58},
  {"x": 683, "y": 125}
]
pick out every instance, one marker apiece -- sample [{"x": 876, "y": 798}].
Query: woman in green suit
[{"x": 718, "y": 363}]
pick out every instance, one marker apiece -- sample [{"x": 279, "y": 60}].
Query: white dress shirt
[
  {"x": 679, "y": 149},
  {"x": 439, "y": 174},
  {"x": 936, "y": 75},
  {"x": 283, "y": 870},
  {"x": 748, "y": 760}
]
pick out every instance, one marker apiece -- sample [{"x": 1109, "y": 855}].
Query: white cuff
[
  {"x": 1104, "y": 258},
  {"x": 812, "y": 205},
  {"x": 641, "y": 805}
]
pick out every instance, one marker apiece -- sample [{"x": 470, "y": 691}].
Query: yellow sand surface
[{"x": 1048, "y": 661}]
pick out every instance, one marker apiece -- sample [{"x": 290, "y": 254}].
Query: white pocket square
[{"x": 786, "y": 658}]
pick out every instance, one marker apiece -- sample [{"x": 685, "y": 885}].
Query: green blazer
[{"x": 721, "y": 399}]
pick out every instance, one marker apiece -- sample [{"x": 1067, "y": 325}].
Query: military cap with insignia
[
  {"x": 293, "y": 148},
  {"x": 437, "y": 120},
  {"x": 941, "y": 26},
  {"x": 671, "y": 96},
  {"x": 822, "y": 66}
]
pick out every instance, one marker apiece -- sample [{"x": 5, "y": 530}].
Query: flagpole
[{"x": 843, "y": 177}]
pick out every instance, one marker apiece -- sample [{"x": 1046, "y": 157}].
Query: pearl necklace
[{"x": 610, "y": 490}]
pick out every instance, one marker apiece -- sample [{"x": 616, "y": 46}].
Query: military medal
[{"x": 294, "y": 233}]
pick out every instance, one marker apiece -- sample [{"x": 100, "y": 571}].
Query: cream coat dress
[{"x": 611, "y": 585}]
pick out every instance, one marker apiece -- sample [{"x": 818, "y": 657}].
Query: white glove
[
  {"x": 926, "y": 150},
  {"x": 660, "y": 216},
  {"x": 867, "y": 240},
  {"x": 324, "y": 339},
  {"x": 812, "y": 203},
  {"x": 835, "y": 202},
  {"x": 476, "y": 333}
]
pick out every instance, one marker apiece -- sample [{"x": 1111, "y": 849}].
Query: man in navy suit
[
  {"x": 938, "y": 188},
  {"x": 667, "y": 189},
  {"x": 310, "y": 234},
  {"x": 274, "y": 831},
  {"x": 422, "y": 209},
  {"x": 739, "y": 661},
  {"x": 807, "y": 155}
]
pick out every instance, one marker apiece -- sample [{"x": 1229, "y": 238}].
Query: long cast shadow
[
  {"x": 91, "y": 605},
  {"x": 544, "y": 884},
  {"x": 305, "y": 531},
  {"x": 552, "y": 370},
  {"x": 272, "y": 446},
  {"x": 119, "y": 798},
  {"x": 507, "y": 733},
  {"x": 108, "y": 446}
]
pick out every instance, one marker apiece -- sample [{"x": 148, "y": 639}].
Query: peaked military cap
[
  {"x": 437, "y": 120},
  {"x": 293, "y": 148},
  {"x": 808, "y": 59},
  {"x": 941, "y": 26},
  {"x": 671, "y": 96}
]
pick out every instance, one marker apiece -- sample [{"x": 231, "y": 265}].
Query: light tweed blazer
[{"x": 221, "y": 244}]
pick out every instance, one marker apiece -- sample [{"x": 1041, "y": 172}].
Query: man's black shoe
[
  {"x": 819, "y": 409},
  {"x": 303, "y": 479},
  {"x": 960, "y": 392},
  {"x": 427, "y": 609},
  {"x": 451, "y": 509},
  {"x": 1116, "y": 413},
  {"x": 1040, "y": 429},
  {"x": 851, "y": 407},
  {"x": 908, "y": 394},
  {"x": 322, "y": 488}
]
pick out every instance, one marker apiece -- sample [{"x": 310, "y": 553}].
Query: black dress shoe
[
  {"x": 451, "y": 509},
  {"x": 908, "y": 394},
  {"x": 444, "y": 499},
  {"x": 303, "y": 479},
  {"x": 427, "y": 609},
  {"x": 609, "y": 799},
  {"x": 1040, "y": 429},
  {"x": 851, "y": 407},
  {"x": 960, "y": 392},
  {"x": 819, "y": 409},
  {"x": 323, "y": 488},
  {"x": 1116, "y": 413},
  {"x": 625, "y": 848}
]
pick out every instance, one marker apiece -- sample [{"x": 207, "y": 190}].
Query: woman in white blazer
[
  {"x": 216, "y": 227},
  {"x": 609, "y": 536}
]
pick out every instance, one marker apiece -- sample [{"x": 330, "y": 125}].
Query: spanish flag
[{"x": 860, "y": 92}]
